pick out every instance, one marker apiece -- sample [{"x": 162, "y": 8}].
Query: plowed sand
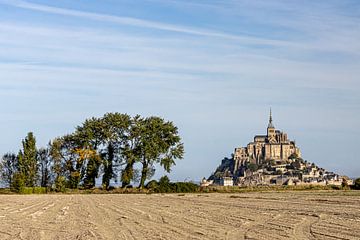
[{"x": 286, "y": 215}]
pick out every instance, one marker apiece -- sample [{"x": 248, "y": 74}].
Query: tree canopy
[{"x": 113, "y": 148}]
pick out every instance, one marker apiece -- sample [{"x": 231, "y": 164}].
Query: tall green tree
[
  {"x": 131, "y": 151},
  {"x": 108, "y": 160},
  {"x": 45, "y": 165},
  {"x": 68, "y": 158},
  {"x": 92, "y": 170},
  {"x": 90, "y": 136},
  {"x": 115, "y": 137},
  {"x": 28, "y": 160},
  {"x": 160, "y": 143},
  {"x": 8, "y": 167},
  {"x": 58, "y": 164}
]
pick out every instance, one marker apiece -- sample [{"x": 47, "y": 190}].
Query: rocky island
[{"x": 271, "y": 159}]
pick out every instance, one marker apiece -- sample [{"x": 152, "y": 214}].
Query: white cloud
[
  {"x": 123, "y": 56},
  {"x": 138, "y": 22}
]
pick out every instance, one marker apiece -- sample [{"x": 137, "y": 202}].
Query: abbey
[
  {"x": 270, "y": 159},
  {"x": 275, "y": 145}
]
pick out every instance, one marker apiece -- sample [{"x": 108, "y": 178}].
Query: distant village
[{"x": 271, "y": 159}]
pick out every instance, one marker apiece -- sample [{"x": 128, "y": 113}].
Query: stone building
[
  {"x": 226, "y": 181},
  {"x": 270, "y": 159},
  {"x": 275, "y": 145}
]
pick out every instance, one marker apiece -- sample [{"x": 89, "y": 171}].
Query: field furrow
[{"x": 269, "y": 215}]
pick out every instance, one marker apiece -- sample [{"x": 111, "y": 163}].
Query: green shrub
[
  {"x": 5, "y": 191},
  {"x": 27, "y": 190},
  {"x": 152, "y": 185},
  {"x": 186, "y": 187},
  {"x": 253, "y": 167},
  {"x": 60, "y": 184},
  {"x": 39, "y": 190},
  {"x": 335, "y": 187},
  {"x": 164, "y": 185},
  {"x": 74, "y": 180}
]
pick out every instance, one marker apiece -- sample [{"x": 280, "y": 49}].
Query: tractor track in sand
[{"x": 268, "y": 215}]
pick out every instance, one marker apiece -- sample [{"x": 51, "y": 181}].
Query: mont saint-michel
[
  {"x": 271, "y": 159},
  {"x": 275, "y": 145}
]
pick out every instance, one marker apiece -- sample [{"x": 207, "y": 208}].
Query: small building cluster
[{"x": 271, "y": 159}]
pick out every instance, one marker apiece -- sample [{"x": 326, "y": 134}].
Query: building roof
[{"x": 260, "y": 136}]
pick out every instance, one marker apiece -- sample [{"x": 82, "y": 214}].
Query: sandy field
[{"x": 285, "y": 215}]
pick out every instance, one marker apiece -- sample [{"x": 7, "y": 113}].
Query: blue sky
[{"x": 212, "y": 67}]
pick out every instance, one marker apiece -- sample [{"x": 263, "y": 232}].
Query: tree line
[{"x": 112, "y": 147}]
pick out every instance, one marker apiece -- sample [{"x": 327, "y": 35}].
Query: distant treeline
[{"x": 110, "y": 148}]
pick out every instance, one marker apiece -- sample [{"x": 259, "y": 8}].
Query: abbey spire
[{"x": 270, "y": 125}]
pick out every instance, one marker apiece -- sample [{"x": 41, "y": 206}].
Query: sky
[{"x": 213, "y": 67}]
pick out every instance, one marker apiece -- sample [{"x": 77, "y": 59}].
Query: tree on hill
[
  {"x": 252, "y": 166},
  {"x": 293, "y": 156}
]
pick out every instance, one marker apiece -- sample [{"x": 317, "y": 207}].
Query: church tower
[{"x": 271, "y": 129}]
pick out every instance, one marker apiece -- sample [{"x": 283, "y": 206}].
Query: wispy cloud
[
  {"x": 324, "y": 33},
  {"x": 137, "y": 22},
  {"x": 315, "y": 25},
  {"x": 110, "y": 54}
]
